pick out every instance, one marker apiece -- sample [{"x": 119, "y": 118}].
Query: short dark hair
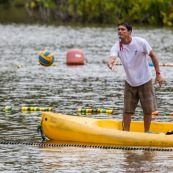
[{"x": 129, "y": 27}]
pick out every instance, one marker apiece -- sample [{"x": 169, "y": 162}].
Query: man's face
[{"x": 123, "y": 32}]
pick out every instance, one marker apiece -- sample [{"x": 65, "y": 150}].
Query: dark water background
[{"x": 66, "y": 88}]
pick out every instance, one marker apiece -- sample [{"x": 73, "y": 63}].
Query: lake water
[{"x": 24, "y": 82}]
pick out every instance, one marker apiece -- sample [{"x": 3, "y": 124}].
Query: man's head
[
  {"x": 128, "y": 27},
  {"x": 124, "y": 30}
]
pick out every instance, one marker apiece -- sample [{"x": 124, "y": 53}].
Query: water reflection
[
  {"x": 138, "y": 161},
  {"x": 66, "y": 89}
]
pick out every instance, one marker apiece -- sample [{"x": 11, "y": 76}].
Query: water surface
[{"x": 24, "y": 82}]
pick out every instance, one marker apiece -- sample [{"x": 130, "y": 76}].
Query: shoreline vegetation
[{"x": 96, "y": 12}]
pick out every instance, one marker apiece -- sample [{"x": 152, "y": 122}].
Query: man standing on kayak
[{"x": 133, "y": 53}]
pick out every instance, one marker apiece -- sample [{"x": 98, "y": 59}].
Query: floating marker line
[
  {"x": 29, "y": 108},
  {"x": 36, "y": 109},
  {"x": 156, "y": 113},
  {"x": 41, "y": 144},
  {"x": 95, "y": 111}
]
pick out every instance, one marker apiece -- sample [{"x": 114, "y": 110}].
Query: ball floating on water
[{"x": 46, "y": 58}]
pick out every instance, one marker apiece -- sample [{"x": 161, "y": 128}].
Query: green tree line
[{"x": 154, "y": 12}]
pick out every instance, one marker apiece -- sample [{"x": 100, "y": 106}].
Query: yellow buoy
[{"x": 7, "y": 108}]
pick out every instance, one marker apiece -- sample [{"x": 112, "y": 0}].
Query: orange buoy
[
  {"x": 75, "y": 57},
  {"x": 155, "y": 113}
]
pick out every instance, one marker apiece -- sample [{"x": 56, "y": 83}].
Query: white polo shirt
[{"x": 134, "y": 58}]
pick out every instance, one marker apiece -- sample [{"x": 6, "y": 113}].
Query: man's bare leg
[
  {"x": 147, "y": 122},
  {"x": 126, "y": 121}
]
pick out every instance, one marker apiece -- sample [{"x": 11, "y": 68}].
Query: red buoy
[{"x": 75, "y": 57}]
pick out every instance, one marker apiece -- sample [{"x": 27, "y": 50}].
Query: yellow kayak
[{"x": 60, "y": 127}]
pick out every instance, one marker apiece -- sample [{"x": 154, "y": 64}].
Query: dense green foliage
[
  {"x": 100, "y": 11},
  {"x": 5, "y": 2}
]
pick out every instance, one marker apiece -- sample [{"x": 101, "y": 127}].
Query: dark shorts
[{"x": 143, "y": 93}]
